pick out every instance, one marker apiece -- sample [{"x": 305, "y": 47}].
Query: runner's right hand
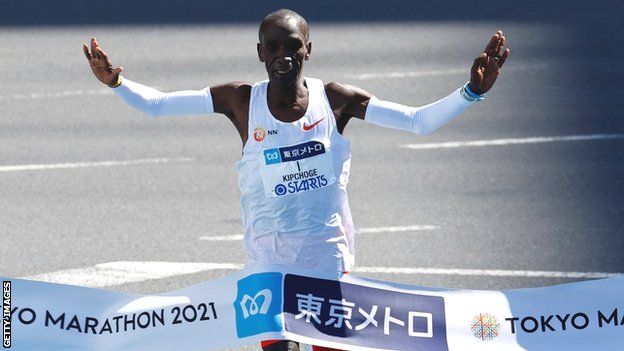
[{"x": 100, "y": 65}]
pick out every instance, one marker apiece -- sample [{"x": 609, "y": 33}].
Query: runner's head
[{"x": 284, "y": 45}]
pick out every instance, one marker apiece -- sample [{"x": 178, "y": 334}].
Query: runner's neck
[{"x": 288, "y": 104}]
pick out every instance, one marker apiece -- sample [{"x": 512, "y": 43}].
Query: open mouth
[{"x": 284, "y": 73}]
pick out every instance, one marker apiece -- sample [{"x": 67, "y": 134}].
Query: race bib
[{"x": 298, "y": 168}]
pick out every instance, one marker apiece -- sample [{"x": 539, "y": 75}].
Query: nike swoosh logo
[{"x": 309, "y": 127}]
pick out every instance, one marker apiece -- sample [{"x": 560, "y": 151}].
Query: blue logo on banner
[
  {"x": 363, "y": 316},
  {"x": 258, "y": 304},
  {"x": 293, "y": 153}
]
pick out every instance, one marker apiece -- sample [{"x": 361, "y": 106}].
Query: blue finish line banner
[{"x": 347, "y": 312}]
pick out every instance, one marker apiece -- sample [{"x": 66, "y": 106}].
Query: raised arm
[
  {"x": 231, "y": 99},
  {"x": 144, "y": 98},
  {"x": 348, "y": 101}
]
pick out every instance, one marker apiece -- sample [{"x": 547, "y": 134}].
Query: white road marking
[
  {"x": 235, "y": 237},
  {"x": 408, "y": 74},
  {"x": 55, "y": 94},
  {"x": 40, "y": 167},
  {"x": 408, "y": 228},
  {"x": 485, "y": 272},
  {"x": 512, "y": 141},
  {"x": 435, "y": 72},
  {"x": 122, "y": 272}
]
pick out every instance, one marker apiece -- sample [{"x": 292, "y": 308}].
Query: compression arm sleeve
[
  {"x": 157, "y": 103},
  {"x": 420, "y": 120}
]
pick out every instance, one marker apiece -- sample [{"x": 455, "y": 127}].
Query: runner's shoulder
[
  {"x": 233, "y": 93},
  {"x": 232, "y": 89},
  {"x": 338, "y": 93},
  {"x": 338, "y": 88},
  {"x": 231, "y": 98},
  {"x": 341, "y": 94}
]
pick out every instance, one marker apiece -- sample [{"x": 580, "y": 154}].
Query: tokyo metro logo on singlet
[{"x": 296, "y": 168}]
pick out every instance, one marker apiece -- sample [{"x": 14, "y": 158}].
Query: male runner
[{"x": 295, "y": 165}]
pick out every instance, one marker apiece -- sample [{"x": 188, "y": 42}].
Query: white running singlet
[{"x": 293, "y": 181}]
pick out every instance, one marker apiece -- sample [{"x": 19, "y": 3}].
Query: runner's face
[{"x": 283, "y": 49}]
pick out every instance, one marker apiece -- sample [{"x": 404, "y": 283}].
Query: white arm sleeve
[
  {"x": 157, "y": 103},
  {"x": 420, "y": 120}
]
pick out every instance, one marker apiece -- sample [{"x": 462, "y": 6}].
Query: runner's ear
[{"x": 259, "y": 49}]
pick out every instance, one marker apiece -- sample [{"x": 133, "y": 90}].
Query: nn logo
[
  {"x": 260, "y": 133},
  {"x": 258, "y": 304}
]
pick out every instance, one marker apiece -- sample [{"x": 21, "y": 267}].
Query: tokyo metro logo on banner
[
  {"x": 258, "y": 304},
  {"x": 363, "y": 316}
]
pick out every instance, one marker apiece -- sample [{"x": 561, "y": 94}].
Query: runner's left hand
[{"x": 487, "y": 66}]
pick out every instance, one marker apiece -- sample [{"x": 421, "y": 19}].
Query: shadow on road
[{"x": 81, "y": 12}]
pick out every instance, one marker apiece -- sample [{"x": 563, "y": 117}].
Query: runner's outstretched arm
[
  {"x": 230, "y": 99},
  {"x": 144, "y": 98},
  {"x": 348, "y": 101}
]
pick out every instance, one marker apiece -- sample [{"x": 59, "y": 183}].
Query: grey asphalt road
[{"x": 556, "y": 206}]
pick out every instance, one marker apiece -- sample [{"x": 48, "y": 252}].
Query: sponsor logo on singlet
[
  {"x": 307, "y": 127},
  {"x": 293, "y": 153},
  {"x": 297, "y": 168},
  {"x": 259, "y": 134}
]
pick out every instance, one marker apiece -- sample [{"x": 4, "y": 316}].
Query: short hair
[{"x": 283, "y": 14}]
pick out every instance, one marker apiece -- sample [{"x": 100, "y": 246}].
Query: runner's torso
[{"x": 293, "y": 179}]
